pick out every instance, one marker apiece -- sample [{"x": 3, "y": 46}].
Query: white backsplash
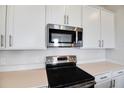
[{"x": 19, "y": 60}]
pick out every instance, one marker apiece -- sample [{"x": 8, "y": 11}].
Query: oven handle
[
  {"x": 88, "y": 85},
  {"x": 84, "y": 85}
]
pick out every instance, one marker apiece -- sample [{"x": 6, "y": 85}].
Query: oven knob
[
  {"x": 49, "y": 60},
  {"x": 72, "y": 59}
]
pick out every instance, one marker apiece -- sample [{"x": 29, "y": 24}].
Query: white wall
[
  {"x": 17, "y": 60},
  {"x": 117, "y": 55}
]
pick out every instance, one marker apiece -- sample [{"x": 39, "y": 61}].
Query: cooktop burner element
[{"x": 63, "y": 72}]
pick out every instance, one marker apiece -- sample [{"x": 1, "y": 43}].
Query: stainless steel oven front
[{"x": 64, "y": 36}]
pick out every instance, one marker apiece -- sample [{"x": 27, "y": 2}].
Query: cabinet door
[
  {"x": 2, "y": 25},
  {"x": 107, "y": 29},
  {"x": 103, "y": 84},
  {"x": 119, "y": 82},
  {"x": 74, "y": 15},
  {"x": 91, "y": 27},
  {"x": 55, "y": 14},
  {"x": 26, "y": 27}
]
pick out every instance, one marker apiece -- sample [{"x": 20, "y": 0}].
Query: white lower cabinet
[
  {"x": 118, "y": 79},
  {"x": 118, "y": 82},
  {"x": 103, "y": 84},
  {"x": 103, "y": 80},
  {"x": 114, "y": 79}
]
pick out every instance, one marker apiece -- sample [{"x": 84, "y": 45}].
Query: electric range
[{"x": 63, "y": 72}]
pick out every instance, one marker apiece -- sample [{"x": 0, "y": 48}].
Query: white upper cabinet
[
  {"x": 2, "y": 26},
  {"x": 25, "y": 27},
  {"x": 98, "y": 25},
  {"x": 91, "y": 27},
  {"x": 63, "y": 15},
  {"x": 55, "y": 14},
  {"x": 107, "y": 29},
  {"x": 74, "y": 15}
]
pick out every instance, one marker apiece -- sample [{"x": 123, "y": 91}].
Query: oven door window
[{"x": 62, "y": 36}]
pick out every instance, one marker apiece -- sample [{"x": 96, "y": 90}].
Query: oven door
[{"x": 61, "y": 38}]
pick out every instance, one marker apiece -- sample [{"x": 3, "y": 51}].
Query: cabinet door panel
[
  {"x": 119, "y": 81},
  {"x": 103, "y": 84},
  {"x": 26, "y": 27},
  {"x": 91, "y": 26},
  {"x": 107, "y": 29},
  {"x": 2, "y": 25},
  {"x": 74, "y": 15},
  {"x": 55, "y": 14}
]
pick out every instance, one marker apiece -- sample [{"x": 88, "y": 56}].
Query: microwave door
[{"x": 61, "y": 38}]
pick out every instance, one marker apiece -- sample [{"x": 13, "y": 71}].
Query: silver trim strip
[{"x": 63, "y": 27}]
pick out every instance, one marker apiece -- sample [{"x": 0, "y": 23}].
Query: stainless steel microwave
[{"x": 64, "y": 36}]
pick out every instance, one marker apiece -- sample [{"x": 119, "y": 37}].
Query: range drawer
[
  {"x": 117, "y": 73},
  {"x": 103, "y": 77}
]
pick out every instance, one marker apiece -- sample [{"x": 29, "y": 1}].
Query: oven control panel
[{"x": 60, "y": 59}]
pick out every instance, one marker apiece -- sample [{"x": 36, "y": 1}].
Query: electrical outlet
[{"x": 2, "y": 61}]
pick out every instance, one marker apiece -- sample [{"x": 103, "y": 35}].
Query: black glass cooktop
[{"x": 67, "y": 76}]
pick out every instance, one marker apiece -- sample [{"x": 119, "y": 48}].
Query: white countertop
[
  {"x": 99, "y": 67},
  {"x": 38, "y": 77},
  {"x": 24, "y": 78}
]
